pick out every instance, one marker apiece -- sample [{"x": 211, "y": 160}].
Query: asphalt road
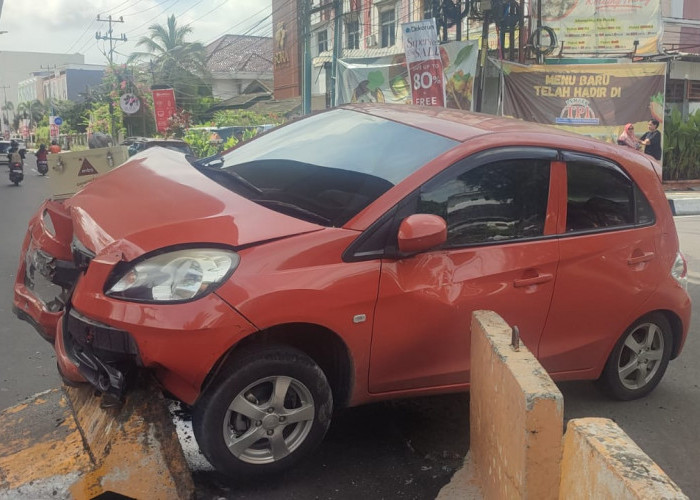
[{"x": 403, "y": 449}]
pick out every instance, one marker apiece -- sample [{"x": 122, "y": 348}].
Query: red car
[{"x": 336, "y": 261}]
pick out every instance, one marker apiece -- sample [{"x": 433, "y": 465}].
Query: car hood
[{"x": 159, "y": 199}]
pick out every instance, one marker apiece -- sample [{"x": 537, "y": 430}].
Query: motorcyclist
[
  {"x": 42, "y": 153},
  {"x": 14, "y": 151}
]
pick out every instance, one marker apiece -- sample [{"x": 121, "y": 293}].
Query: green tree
[
  {"x": 33, "y": 110},
  {"x": 8, "y": 108},
  {"x": 175, "y": 62}
]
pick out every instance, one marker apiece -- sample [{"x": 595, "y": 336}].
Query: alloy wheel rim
[
  {"x": 640, "y": 356},
  {"x": 268, "y": 420}
]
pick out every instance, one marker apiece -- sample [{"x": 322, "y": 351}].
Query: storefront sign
[
  {"x": 164, "y": 107},
  {"x": 605, "y": 26},
  {"x": 386, "y": 79},
  {"x": 592, "y": 99},
  {"x": 422, "y": 48}
]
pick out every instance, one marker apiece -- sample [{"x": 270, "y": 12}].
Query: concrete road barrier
[
  {"x": 517, "y": 440},
  {"x": 61, "y": 444}
]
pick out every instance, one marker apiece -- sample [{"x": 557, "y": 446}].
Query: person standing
[
  {"x": 652, "y": 139},
  {"x": 627, "y": 137}
]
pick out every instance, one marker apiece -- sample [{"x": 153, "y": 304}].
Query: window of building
[
  {"x": 387, "y": 24},
  {"x": 428, "y": 9},
  {"x": 322, "y": 41},
  {"x": 352, "y": 31}
]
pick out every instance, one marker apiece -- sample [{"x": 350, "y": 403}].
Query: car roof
[{"x": 456, "y": 124}]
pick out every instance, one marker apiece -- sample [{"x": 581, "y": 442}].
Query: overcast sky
[{"x": 69, "y": 26}]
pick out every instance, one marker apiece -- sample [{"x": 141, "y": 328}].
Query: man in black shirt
[{"x": 652, "y": 140}]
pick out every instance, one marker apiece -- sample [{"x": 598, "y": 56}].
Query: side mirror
[{"x": 421, "y": 232}]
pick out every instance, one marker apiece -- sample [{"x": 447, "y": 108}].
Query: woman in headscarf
[{"x": 627, "y": 137}]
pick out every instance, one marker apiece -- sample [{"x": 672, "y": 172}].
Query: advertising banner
[
  {"x": 422, "y": 48},
  {"x": 164, "y": 107},
  {"x": 605, "y": 26},
  {"x": 385, "y": 79},
  {"x": 591, "y": 99}
]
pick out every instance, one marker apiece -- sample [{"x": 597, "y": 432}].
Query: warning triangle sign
[{"x": 87, "y": 169}]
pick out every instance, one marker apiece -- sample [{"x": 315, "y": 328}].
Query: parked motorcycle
[
  {"x": 42, "y": 166},
  {"x": 16, "y": 172}
]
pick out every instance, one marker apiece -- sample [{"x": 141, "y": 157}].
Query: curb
[{"x": 685, "y": 205}]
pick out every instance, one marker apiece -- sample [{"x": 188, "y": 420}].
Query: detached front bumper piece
[{"x": 100, "y": 354}]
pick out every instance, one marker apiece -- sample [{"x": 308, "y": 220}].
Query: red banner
[{"x": 164, "y": 107}]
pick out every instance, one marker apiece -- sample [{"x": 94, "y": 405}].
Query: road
[{"x": 405, "y": 449}]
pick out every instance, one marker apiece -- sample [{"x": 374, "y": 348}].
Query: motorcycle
[
  {"x": 16, "y": 172},
  {"x": 42, "y": 166}
]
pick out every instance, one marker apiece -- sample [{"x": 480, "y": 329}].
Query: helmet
[{"x": 13, "y": 143}]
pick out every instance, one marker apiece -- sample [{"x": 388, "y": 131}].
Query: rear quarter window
[{"x": 602, "y": 196}]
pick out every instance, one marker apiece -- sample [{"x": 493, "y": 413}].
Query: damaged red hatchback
[{"x": 336, "y": 261}]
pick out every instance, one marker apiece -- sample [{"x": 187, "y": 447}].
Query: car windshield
[
  {"x": 328, "y": 167},
  {"x": 4, "y": 147}
]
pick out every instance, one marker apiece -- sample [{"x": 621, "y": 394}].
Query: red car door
[
  {"x": 608, "y": 267},
  {"x": 501, "y": 254}
]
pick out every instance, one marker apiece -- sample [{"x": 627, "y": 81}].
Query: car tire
[
  {"x": 268, "y": 409},
  {"x": 640, "y": 358}
]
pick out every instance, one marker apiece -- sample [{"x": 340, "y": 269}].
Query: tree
[
  {"x": 175, "y": 62},
  {"x": 8, "y": 108},
  {"x": 34, "y": 110}
]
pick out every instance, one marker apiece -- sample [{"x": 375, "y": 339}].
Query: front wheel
[
  {"x": 639, "y": 359},
  {"x": 270, "y": 408}
]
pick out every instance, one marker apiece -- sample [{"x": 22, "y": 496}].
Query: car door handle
[
  {"x": 540, "y": 278},
  {"x": 645, "y": 257}
]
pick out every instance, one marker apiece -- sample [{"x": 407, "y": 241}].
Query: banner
[
  {"x": 422, "y": 48},
  {"x": 164, "y": 107},
  {"x": 605, "y": 26},
  {"x": 385, "y": 79},
  {"x": 591, "y": 99}
]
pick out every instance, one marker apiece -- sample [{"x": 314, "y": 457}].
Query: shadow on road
[{"x": 400, "y": 449}]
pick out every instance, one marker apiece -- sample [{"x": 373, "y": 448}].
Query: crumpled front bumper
[
  {"x": 102, "y": 340},
  {"x": 46, "y": 271}
]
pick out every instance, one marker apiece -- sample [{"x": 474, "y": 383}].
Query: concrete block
[
  {"x": 600, "y": 461},
  {"x": 516, "y": 415},
  {"x": 61, "y": 444}
]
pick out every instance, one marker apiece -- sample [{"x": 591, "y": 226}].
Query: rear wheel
[
  {"x": 271, "y": 408},
  {"x": 639, "y": 359}
]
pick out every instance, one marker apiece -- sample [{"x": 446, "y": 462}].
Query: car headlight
[{"x": 176, "y": 276}]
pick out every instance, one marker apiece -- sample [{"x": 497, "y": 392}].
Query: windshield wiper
[
  {"x": 289, "y": 207},
  {"x": 231, "y": 174}
]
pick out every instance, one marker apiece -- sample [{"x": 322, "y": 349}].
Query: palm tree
[
  {"x": 34, "y": 110},
  {"x": 8, "y": 108},
  {"x": 175, "y": 61}
]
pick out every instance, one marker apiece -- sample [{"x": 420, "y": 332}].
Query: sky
[{"x": 69, "y": 26}]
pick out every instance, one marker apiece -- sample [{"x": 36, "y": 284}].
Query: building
[
  {"x": 19, "y": 66},
  {"x": 681, "y": 43},
  {"x": 239, "y": 64},
  {"x": 72, "y": 82},
  {"x": 370, "y": 28}
]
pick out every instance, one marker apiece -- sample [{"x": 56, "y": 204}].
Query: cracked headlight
[{"x": 176, "y": 276}]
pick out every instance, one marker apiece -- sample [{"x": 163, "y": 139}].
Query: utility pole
[
  {"x": 4, "y": 114},
  {"x": 108, "y": 36},
  {"x": 112, "y": 40},
  {"x": 337, "y": 41},
  {"x": 306, "y": 57},
  {"x": 306, "y": 11}
]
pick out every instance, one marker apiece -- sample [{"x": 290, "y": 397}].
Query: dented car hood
[{"x": 158, "y": 199}]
